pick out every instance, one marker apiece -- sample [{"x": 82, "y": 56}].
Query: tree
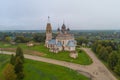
[
  {"x": 19, "y": 53},
  {"x": 94, "y": 46},
  {"x": 81, "y": 40},
  {"x": 19, "y": 59},
  {"x": 12, "y": 59},
  {"x": 103, "y": 53},
  {"x": 21, "y": 39},
  {"x": 39, "y": 38},
  {"x": 113, "y": 60},
  {"x": 109, "y": 49},
  {"x": 117, "y": 68},
  {"x": 98, "y": 48},
  {"x": 19, "y": 68},
  {"x": 7, "y": 39},
  {"x": 9, "y": 72}
]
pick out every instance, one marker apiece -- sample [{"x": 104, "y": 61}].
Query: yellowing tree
[{"x": 9, "y": 72}]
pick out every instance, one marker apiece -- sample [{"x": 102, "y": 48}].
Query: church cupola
[
  {"x": 63, "y": 29},
  {"x": 68, "y": 29},
  {"x": 58, "y": 29}
]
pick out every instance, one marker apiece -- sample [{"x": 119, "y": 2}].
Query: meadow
[{"x": 35, "y": 70}]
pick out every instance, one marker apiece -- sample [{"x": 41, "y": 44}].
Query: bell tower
[{"x": 48, "y": 31}]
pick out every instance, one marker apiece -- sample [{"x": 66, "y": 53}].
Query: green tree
[
  {"x": 113, "y": 60},
  {"x": 12, "y": 59},
  {"x": 109, "y": 49},
  {"x": 39, "y": 37},
  {"x": 94, "y": 46},
  {"x": 19, "y": 68},
  {"x": 103, "y": 53},
  {"x": 9, "y": 73},
  {"x": 81, "y": 40},
  {"x": 19, "y": 60},
  {"x": 117, "y": 68},
  {"x": 21, "y": 39},
  {"x": 7, "y": 39},
  {"x": 19, "y": 53},
  {"x": 98, "y": 48}
]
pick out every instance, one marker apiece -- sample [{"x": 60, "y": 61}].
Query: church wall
[
  {"x": 48, "y": 36},
  {"x": 72, "y": 48},
  {"x": 60, "y": 48},
  {"x": 67, "y": 48}
]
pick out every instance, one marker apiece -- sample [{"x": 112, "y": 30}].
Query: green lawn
[
  {"x": 35, "y": 70},
  {"x": 83, "y": 58}
]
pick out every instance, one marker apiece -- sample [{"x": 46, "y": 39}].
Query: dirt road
[{"x": 96, "y": 71}]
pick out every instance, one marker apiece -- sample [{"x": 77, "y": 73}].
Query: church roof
[
  {"x": 52, "y": 41},
  {"x": 59, "y": 44},
  {"x": 58, "y": 29},
  {"x": 63, "y": 26},
  {"x": 71, "y": 43}
]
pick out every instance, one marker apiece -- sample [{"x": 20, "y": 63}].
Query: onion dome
[
  {"x": 58, "y": 29},
  {"x": 68, "y": 29},
  {"x": 63, "y": 27}
]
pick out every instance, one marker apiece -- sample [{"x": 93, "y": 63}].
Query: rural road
[{"x": 96, "y": 71}]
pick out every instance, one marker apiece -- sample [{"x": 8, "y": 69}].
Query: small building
[{"x": 30, "y": 44}]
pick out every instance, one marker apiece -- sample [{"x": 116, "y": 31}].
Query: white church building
[{"x": 64, "y": 41}]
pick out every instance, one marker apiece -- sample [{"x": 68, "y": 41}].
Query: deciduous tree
[
  {"x": 9, "y": 73},
  {"x": 113, "y": 60},
  {"x": 117, "y": 68}
]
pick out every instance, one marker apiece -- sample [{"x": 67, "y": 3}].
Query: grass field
[
  {"x": 35, "y": 70},
  {"x": 83, "y": 58}
]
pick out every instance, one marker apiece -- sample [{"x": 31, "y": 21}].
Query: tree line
[
  {"x": 109, "y": 52},
  {"x": 22, "y": 38}
]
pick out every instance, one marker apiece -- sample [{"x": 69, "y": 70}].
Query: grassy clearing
[
  {"x": 35, "y": 70},
  {"x": 83, "y": 58}
]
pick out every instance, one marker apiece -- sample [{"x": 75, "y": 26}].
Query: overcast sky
[{"x": 76, "y": 14}]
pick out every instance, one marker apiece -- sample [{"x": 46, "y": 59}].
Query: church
[{"x": 64, "y": 41}]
